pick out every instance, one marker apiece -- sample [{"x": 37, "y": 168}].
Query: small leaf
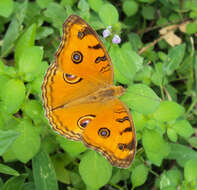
[
  {"x": 11, "y": 35},
  {"x": 6, "y": 7},
  {"x": 6, "y": 139},
  {"x": 191, "y": 28},
  {"x": 108, "y": 14},
  {"x": 25, "y": 41},
  {"x": 96, "y": 4},
  {"x": 59, "y": 162},
  {"x": 43, "y": 172},
  {"x": 72, "y": 148},
  {"x": 95, "y": 170},
  {"x": 83, "y": 5},
  {"x": 135, "y": 41},
  {"x": 181, "y": 153},
  {"x": 175, "y": 56},
  {"x": 43, "y": 3},
  {"x": 8, "y": 170},
  {"x": 33, "y": 109},
  {"x": 29, "y": 62},
  {"x": 43, "y": 32},
  {"x": 28, "y": 143},
  {"x": 141, "y": 98},
  {"x": 190, "y": 170},
  {"x": 15, "y": 182},
  {"x": 139, "y": 120},
  {"x": 56, "y": 13},
  {"x": 13, "y": 95},
  {"x": 139, "y": 175},
  {"x": 120, "y": 57},
  {"x": 130, "y": 8},
  {"x": 155, "y": 147},
  {"x": 171, "y": 178},
  {"x": 168, "y": 111},
  {"x": 12, "y": 32},
  {"x": 148, "y": 12},
  {"x": 183, "y": 128},
  {"x": 172, "y": 135},
  {"x": 193, "y": 141}
]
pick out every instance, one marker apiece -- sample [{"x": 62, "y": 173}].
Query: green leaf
[
  {"x": 25, "y": 41},
  {"x": 73, "y": 148},
  {"x": 43, "y": 172},
  {"x": 141, "y": 98},
  {"x": 76, "y": 180},
  {"x": 15, "y": 182},
  {"x": 144, "y": 75},
  {"x": 120, "y": 57},
  {"x": 1, "y": 183},
  {"x": 108, "y": 14},
  {"x": 95, "y": 170},
  {"x": 12, "y": 32},
  {"x": 193, "y": 141},
  {"x": 172, "y": 135},
  {"x": 139, "y": 120},
  {"x": 171, "y": 178},
  {"x": 43, "y": 32},
  {"x": 183, "y": 128},
  {"x": 8, "y": 170},
  {"x": 28, "y": 143},
  {"x": 33, "y": 109},
  {"x": 130, "y": 8},
  {"x": 174, "y": 58},
  {"x": 6, "y": 7},
  {"x": 60, "y": 162},
  {"x": 7, "y": 71},
  {"x": 181, "y": 153},
  {"x": 56, "y": 13},
  {"x": 116, "y": 176},
  {"x": 139, "y": 175},
  {"x": 191, "y": 28},
  {"x": 11, "y": 35},
  {"x": 28, "y": 186},
  {"x": 148, "y": 12},
  {"x": 29, "y": 62},
  {"x": 120, "y": 77},
  {"x": 83, "y": 5},
  {"x": 146, "y": 1},
  {"x": 96, "y": 4},
  {"x": 135, "y": 41},
  {"x": 13, "y": 95},
  {"x": 168, "y": 111},
  {"x": 43, "y": 3},
  {"x": 155, "y": 147},
  {"x": 190, "y": 170},
  {"x": 158, "y": 76},
  {"x": 6, "y": 139},
  {"x": 36, "y": 85}
]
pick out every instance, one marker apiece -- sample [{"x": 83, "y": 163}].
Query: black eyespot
[
  {"x": 77, "y": 57},
  {"x": 71, "y": 79},
  {"x": 81, "y": 35},
  {"x": 121, "y": 146},
  {"x": 84, "y": 121},
  {"x": 104, "y": 132}
]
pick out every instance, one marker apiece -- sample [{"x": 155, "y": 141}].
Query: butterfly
[{"x": 80, "y": 99}]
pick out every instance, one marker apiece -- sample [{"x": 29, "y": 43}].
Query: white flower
[
  {"x": 106, "y": 33},
  {"x": 116, "y": 39}
]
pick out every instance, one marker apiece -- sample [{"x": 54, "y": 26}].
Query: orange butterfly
[{"x": 80, "y": 99}]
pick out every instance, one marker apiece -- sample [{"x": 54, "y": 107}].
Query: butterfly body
[{"x": 80, "y": 99}]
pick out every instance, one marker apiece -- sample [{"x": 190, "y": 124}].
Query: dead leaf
[
  {"x": 172, "y": 39},
  {"x": 182, "y": 27}
]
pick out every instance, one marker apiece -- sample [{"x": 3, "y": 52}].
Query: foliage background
[{"x": 157, "y": 63}]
